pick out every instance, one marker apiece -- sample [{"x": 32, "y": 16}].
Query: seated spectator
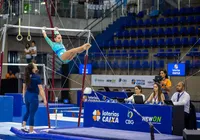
[
  {"x": 181, "y": 97},
  {"x": 138, "y": 92},
  {"x": 157, "y": 97},
  {"x": 10, "y": 75}
]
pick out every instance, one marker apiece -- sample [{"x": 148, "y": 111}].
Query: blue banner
[
  {"x": 176, "y": 69},
  {"x": 88, "y": 69},
  {"x": 122, "y": 116},
  {"x": 102, "y": 96}
]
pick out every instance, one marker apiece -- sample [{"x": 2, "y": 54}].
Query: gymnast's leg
[{"x": 70, "y": 54}]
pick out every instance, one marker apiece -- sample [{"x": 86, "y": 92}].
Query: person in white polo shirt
[
  {"x": 181, "y": 97},
  {"x": 33, "y": 50}
]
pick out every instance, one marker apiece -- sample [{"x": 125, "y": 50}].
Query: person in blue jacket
[
  {"x": 64, "y": 55},
  {"x": 32, "y": 87}
]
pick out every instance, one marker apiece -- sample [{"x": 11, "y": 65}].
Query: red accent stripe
[
  {"x": 1, "y": 3},
  {"x": 53, "y": 64},
  {"x": 83, "y": 85}
]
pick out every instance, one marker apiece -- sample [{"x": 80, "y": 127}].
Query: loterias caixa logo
[
  {"x": 105, "y": 116},
  {"x": 96, "y": 115}
]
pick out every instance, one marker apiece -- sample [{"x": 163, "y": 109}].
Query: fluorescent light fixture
[{"x": 42, "y": 3}]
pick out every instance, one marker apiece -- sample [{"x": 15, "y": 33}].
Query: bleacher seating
[{"x": 164, "y": 36}]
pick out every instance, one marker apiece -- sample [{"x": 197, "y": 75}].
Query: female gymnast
[
  {"x": 64, "y": 55},
  {"x": 32, "y": 86}
]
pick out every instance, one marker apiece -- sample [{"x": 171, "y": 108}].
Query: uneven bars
[
  {"x": 23, "y": 64},
  {"x": 40, "y": 28},
  {"x": 20, "y": 64},
  {"x": 64, "y": 89}
]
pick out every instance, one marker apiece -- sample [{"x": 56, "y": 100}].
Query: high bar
[
  {"x": 63, "y": 89},
  {"x": 19, "y": 64},
  {"x": 40, "y": 28}
]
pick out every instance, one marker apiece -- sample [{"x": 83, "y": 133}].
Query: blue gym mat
[
  {"x": 112, "y": 134},
  {"x": 44, "y": 135},
  {"x": 91, "y": 133}
]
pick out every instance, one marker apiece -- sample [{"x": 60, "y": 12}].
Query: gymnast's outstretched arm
[{"x": 47, "y": 38}]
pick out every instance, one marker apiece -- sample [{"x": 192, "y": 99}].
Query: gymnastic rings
[
  {"x": 29, "y": 35},
  {"x": 28, "y": 38},
  {"x": 19, "y": 36}
]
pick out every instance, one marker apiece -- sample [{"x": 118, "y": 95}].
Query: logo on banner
[
  {"x": 153, "y": 120},
  {"x": 176, "y": 70},
  {"x": 106, "y": 116},
  {"x": 150, "y": 83},
  {"x": 84, "y": 98},
  {"x": 129, "y": 121},
  {"x": 92, "y": 98},
  {"x": 176, "y": 66},
  {"x": 110, "y": 117},
  {"x": 140, "y": 82},
  {"x": 111, "y": 80},
  {"x": 130, "y": 114},
  {"x": 98, "y": 80},
  {"x": 137, "y": 82},
  {"x": 96, "y": 115},
  {"x": 123, "y": 81},
  {"x": 104, "y": 98},
  {"x": 133, "y": 81}
]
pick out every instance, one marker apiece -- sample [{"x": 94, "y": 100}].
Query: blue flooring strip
[
  {"x": 8, "y": 137},
  {"x": 60, "y": 105},
  {"x": 44, "y": 135}
]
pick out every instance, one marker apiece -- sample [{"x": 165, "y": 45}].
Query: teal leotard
[{"x": 58, "y": 48}]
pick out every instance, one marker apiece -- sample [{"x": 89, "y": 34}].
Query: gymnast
[{"x": 64, "y": 55}]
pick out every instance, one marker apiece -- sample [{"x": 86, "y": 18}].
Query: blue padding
[
  {"x": 40, "y": 116},
  {"x": 198, "y": 115},
  {"x": 103, "y": 133},
  {"x": 6, "y": 108},
  {"x": 17, "y": 103},
  {"x": 198, "y": 124},
  {"x": 44, "y": 135}
]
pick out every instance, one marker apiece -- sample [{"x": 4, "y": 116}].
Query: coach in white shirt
[{"x": 181, "y": 97}]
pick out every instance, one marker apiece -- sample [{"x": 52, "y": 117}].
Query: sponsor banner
[
  {"x": 122, "y": 80},
  {"x": 102, "y": 96},
  {"x": 117, "y": 116}
]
